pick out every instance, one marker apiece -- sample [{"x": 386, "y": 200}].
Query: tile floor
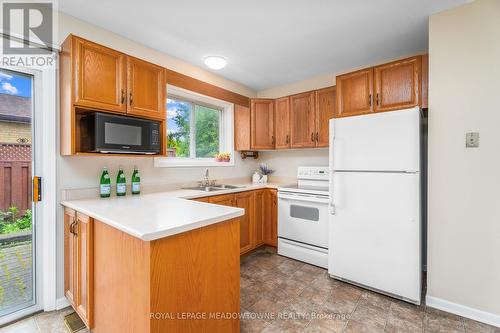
[{"x": 283, "y": 295}]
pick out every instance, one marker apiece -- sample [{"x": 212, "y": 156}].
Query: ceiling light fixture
[{"x": 215, "y": 62}]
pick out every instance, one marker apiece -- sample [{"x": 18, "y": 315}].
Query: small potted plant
[
  {"x": 223, "y": 157},
  {"x": 265, "y": 171}
]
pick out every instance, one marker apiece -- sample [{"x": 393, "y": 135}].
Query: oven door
[{"x": 303, "y": 218}]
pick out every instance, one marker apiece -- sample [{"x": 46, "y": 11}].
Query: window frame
[{"x": 226, "y": 130}]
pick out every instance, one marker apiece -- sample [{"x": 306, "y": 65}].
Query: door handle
[
  {"x": 273, "y": 140},
  {"x": 37, "y": 189},
  {"x": 377, "y": 99},
  {"x": 287, "y": 140},
  {"x": 131, "y": 98},
  {"x": 312, "y": 136},
  {"x": 370, "y": 99},
  {"x": 123, "y": 96},
  {"x": 317, "y": 136}
]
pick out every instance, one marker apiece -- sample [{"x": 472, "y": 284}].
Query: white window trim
[{"x": 227, "y": 133}]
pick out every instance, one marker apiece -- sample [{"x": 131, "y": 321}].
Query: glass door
[{"x": 17, "y": 214}]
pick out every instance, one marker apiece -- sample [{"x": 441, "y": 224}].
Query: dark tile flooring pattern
[{"x": 283, "y": 295}]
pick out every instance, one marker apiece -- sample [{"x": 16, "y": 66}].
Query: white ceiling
[{"x": 270, "y": 42}]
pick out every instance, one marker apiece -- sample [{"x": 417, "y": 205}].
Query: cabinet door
[
  {"x": 325, "y": 110},
  {"x": 262, "y": 124},
  {"x": 259, "y": 218},
  {"x": 355, "y": 93},
  {"x": 397, "y": 85},
  {"x": 271, "y": 217},
  {"x": 302, "y": 122},
  {"x": 282, "y": 123},
  {"x": 100, "y": 76},
  {"x": 224, "y": 200},
  {"x": 241, "y": 128},
  {"x": 147, "y": 88},
  {"x": 246, "y": 200},
  {"x": 70, "y": 257},
  {"x": 84, "y": 304},
  {"x": 205, "y": 199}
]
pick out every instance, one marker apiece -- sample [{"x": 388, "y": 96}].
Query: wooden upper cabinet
[
  {"x": 282, "y": 123},
  {"x": 241, "y": 128},
  {"x": 146, "y": 89},
  {"x": 355, "y": 93},
  {"x": 397, "y": 85},
  {"x": 302, "y": 120},
  {"x": 325, "y": 110},
  {"x": 100, "y": 76},
  {"x": 262, "y": 124}
]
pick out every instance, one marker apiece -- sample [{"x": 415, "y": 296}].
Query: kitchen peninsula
[{"x": 153, "y": 263}]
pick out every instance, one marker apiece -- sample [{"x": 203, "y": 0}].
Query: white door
[
  {"x": 388, "y": 141},
  {"x": 374, "y": 233},
  {"x": 303, "y": 218}
]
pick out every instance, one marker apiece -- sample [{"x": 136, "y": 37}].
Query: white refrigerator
[{"x": 374, "y": 228}]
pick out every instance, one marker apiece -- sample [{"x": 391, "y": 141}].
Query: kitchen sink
[
  {"x": 204, "y": 188},
  {"x": 227, "y": 187},
  {"x": 217, "y": 187}
]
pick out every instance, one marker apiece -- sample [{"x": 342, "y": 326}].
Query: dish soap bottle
[
  {"x": 136, "y": 181},
  {"x": 121, "y": 183},
  {"x": 105, "y": 184}
]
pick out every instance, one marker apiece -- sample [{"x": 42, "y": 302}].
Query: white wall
[
  {"x": 464, "y": 184},
  {"x": 286, "y": 162},
  {"x": 84, "y": 172}
]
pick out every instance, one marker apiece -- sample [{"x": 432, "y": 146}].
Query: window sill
[{"x": 173, "y": 162}]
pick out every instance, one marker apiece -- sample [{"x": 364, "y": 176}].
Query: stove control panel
[{"x": 316, "y": 173}]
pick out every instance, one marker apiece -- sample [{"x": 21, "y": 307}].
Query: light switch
[{"x": 472, "y": 140}]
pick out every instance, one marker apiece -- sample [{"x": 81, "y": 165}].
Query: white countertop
[{"x": 158, "y": 215}]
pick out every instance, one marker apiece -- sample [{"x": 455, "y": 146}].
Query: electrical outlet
[{"x": 472, "y": 140}]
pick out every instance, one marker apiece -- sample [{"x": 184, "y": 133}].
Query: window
[{"x": 198, "y": 128}]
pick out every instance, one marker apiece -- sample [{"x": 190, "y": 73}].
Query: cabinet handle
[
  {"x": 273, "y": 140},
  {"x": 370, "y": 99},
  {"x": 75, "y": 232},
  {"x": 123, "y": 96},
  {"x": 287, "y": 141},
  {"x": 131, "y": 98},
  {"x": 377, "y": 99},
  {"x": 312, "y": 136},
  {"x": 317, "y": 136}
]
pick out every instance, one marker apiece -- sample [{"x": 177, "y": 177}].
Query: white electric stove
[{"x": 303, "y": 217}]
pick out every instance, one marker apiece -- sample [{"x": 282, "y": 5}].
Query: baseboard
[
  {"x": 61, "y": 303},
  {"x": 464, "y": 311}
]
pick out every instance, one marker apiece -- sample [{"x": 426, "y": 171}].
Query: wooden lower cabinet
[
  {"x": 259, "y": 217},
  {"x": 245, "y": 200},
  {"x": 78, "y": 269},
  {"x": 271, "y": 216},
  {"x": 259, "y": 225}
]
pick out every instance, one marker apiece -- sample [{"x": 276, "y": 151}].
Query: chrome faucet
[{"x": 206, "y": 179}]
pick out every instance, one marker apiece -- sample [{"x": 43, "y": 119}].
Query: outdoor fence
[{"x": 15, "y": 176}]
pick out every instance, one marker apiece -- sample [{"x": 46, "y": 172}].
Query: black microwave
[{"x": 107, "y": 133}]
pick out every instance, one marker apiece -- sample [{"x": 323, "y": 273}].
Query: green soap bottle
[
  {"x": 105, "y": 184},
  {"x": 121, "y": 183},
  {"x": 136, "y": 181}
]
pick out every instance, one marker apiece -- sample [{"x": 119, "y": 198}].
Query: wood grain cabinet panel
[
  {"x": 355, "y": 93},
  {"x": 146, "y": 89},
  {"x": 282, "y": 123},
  {"x": 259, "y": 218},
  {"x": 245, "y": 200},
  {"x": 223, "y": 200},
  {"x": 262, "y": 124},
  {"x": 302, "y": 121},
  {"x": 325, "y": 110},
  {"x": 70, "y": 257},
  {"x": 100, "y": 80},
  {"x": 271, "y": 217},
  {"x": 397, "y": 85},
  {"x": 85, "y": 275},
  {"x": 241, "y": 128}
]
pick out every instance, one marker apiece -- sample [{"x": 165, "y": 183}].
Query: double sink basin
[{"x": 211, "y": 188}]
